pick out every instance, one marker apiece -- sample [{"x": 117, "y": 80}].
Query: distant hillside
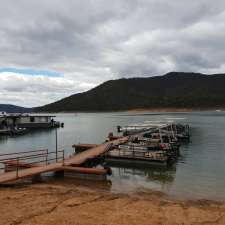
[
  {"x": 175, "y": 89},
  {"x": 14, "y": 109}
]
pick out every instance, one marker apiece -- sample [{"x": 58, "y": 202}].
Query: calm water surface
[{"x": 199, "y": 172}]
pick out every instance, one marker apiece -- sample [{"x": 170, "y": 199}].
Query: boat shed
[{"x": 28, "y": 121}]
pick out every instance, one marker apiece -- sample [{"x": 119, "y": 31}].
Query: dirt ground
[{"x": 54, "y": 204}]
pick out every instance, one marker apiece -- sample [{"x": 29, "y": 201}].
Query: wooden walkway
[{"x": 77, "y": 159}]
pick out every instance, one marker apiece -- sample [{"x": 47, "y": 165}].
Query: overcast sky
[{"x": 50, "y": 49}]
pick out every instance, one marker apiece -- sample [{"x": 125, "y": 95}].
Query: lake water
[{"x": 198, "y": 173}]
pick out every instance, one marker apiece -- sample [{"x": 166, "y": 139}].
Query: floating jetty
[
  {"x": 148, "y": 146},
  {"x": 152, "y": 144}
]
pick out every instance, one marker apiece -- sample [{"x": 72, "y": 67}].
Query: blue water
[{"x": 199, "y": 172}]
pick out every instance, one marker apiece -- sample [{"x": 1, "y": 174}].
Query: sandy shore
[{"x": 57, "y": 204}]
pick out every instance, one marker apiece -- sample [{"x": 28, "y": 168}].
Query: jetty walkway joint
[{"x": 25, "y": 167}]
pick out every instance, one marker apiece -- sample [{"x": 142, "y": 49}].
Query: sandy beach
[{"x": 58, "y": 204}]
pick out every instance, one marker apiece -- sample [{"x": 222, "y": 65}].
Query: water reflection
[
  {"x": 126, "y": 179},
  {"x": 160, "y": 174},
  {"x": 37, "y": 139},
  {"x": 3, "y": 139}
]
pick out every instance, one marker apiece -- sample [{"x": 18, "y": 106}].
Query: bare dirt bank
[{"x": 45, "y": 204}]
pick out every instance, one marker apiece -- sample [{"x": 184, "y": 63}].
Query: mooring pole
[
  {"x": 17, "y": 167},
  {"x": 56, "y": 145}
]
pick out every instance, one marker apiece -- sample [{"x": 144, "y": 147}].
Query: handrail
[
  {"x": 25, "y": 152},
  {"x": 29, "y": 156},
  {"x": 23, "y": 157},
  {"x": 35, "y": 162},
  {"x": 30, "y": 159}
]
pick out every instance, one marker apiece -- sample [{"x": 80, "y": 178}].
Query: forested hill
[
  {"x": 14, "y": 109},
  {"x": 175, "y": 89}
]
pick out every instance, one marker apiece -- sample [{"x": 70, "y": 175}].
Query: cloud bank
[{"x": 92, "y": 41}]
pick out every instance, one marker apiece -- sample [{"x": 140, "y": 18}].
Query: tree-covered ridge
[{"x": 175, "y": 89}]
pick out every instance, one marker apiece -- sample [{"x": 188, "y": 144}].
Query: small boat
[{"x": 18, "y": 131}]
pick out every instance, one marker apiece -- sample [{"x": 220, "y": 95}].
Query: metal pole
[
  {"x": 17, "y": 167},
  {"x": 56, "y": 145},
  {"x": 172, "y": 130},
  {"x": 47, "y": 157},
  {"x": 160, "y": 136}
]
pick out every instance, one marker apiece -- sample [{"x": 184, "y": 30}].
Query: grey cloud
[{"x": 96, "y": 40}]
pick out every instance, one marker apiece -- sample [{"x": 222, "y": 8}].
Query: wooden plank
[
  {"x": 84, "y": 170},
  {"x": 12, "y": 176}
]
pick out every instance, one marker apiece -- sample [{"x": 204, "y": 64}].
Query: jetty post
[{"x": 56, "y": 144}]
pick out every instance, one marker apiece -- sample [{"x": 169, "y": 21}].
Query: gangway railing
[{"x": 22, "y": 160}]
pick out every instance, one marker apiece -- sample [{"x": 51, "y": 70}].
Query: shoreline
[
  {"x": 176, "y": 110},
  {"x": 169, "y": 109},
  {"x": 60, "y": 204}
]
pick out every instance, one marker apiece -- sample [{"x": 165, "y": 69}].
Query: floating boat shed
[{"x": 10, "y": 122}]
